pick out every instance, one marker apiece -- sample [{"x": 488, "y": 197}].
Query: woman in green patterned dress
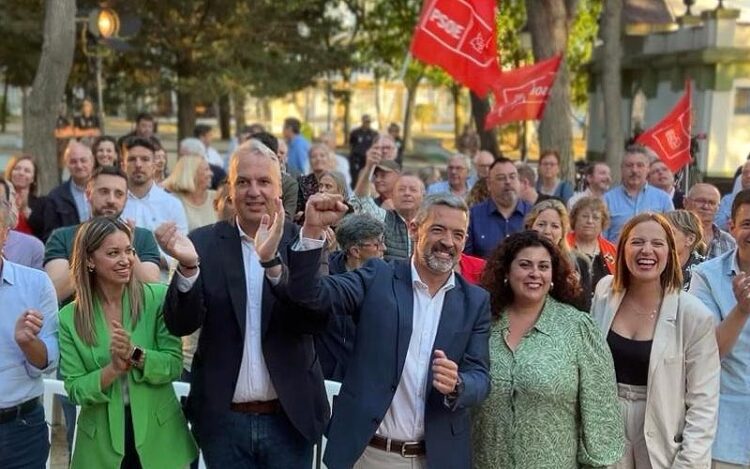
[{"x": 553, "y": 402}]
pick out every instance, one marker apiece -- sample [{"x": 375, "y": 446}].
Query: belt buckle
[{"x": 406, "y": 445}]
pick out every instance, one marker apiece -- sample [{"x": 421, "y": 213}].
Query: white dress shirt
[
  {"x": 254, "y": 381},
  {"x": 405, "y": 417},
  {"x": 154, "y": 208}
]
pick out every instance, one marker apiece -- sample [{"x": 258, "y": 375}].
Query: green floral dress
[{"x": 553, "y": 402}]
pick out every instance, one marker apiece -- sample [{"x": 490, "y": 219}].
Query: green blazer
[{"x": 162, "y": 437}]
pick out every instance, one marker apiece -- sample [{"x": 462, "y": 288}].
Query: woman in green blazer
[{"x": 118, "y": 360}]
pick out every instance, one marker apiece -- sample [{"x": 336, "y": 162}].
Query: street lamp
[{"x": 104, "y": 22}]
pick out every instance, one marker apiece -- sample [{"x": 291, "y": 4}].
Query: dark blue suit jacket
[
  {"x": 379, "y": 297},
  {"x": 217, "y": 303}
]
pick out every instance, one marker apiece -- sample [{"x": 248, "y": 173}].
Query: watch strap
[{"x": 272, "y": 263}]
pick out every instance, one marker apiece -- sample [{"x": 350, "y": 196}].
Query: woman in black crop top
[{"x": 664, "y": 350}]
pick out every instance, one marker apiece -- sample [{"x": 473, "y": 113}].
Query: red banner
[
  {"x": 521, "y": 94},
  {"x": 459, "y": 36},
  {"x": 670, "y": 138}
]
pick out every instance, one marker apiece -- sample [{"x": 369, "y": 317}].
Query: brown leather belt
[
  {"x": 407, "y": 449},
  {"x": 257, "y": 407}
]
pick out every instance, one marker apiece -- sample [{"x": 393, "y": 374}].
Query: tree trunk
[
  {"x": 51, "y": 76},
  {"x": 239, "y": 110},
  {"x": 549, "y": 22},
  {"x": 412, "y": 83},
  {"x": 185, "y": 114},
  {"x": 479, "y": 110},
  {"x": 225, "y": 117},
  {"x": 611, "y": 81},
  {"x": 4, "y": 108}
]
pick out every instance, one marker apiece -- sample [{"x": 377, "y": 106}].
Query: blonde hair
[
  {"x": 182, "y": 178},
  {"x": 595, "y": 204},
  {"x": 688, "y": 223},
  {"x": 671, "y": 278},
  {"x": 89, "y": 238},
  {"x": 559, "y": 207},
  {"x": 330, "y": 155}
]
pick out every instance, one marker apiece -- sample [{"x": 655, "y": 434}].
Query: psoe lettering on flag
[
  {"x": 459, "y": 36},
  {"x": 670, "y": 137},
  {"x": 522, "y": 94}
]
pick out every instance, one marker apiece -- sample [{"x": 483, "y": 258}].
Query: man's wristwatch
[
  {"x": 137, "y": 356},
  {"x": 191, "y": 267},
  {"x": 458, "y": 389},
  {"x": 272, "y": 263}
]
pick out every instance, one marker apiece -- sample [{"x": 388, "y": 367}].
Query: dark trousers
[
  {"x": 130, "y": 460},
  {"x": 253, "y": 441},
  {"x": 24, "y": 442}
]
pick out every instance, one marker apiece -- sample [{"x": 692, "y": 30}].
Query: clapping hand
[
  {"x": 120, "y": 348},
  {"x": 28, "y": 326},
  {"x": 741, "y": 289},
  {"x": 444, "y": 373},
  {"x": 268, "y": 236},
  {"x": 176, "y": 244}
]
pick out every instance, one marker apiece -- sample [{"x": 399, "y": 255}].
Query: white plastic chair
[
  {"x": 52, "y": 388},
  {"x": 182, "y": 390},
  {"x": 332, "y": 389}
]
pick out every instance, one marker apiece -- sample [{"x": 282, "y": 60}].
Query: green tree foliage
[{"x": 21, "y": 24}]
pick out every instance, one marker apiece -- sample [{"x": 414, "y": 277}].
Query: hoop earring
[{"x": 90, "y": 268}]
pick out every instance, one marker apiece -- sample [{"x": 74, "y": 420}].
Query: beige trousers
[
  {"x": 633, "y": 405},
  {"x": 374, "y": 458},
  {"x": 725, "y": 465}
]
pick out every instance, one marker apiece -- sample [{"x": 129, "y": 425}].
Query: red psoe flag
[
  {"x": 459, "y": 36},
  {"x": 522, "y": 94},
  {"x": 670, "y": 138}
]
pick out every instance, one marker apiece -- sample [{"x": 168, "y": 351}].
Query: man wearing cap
[{"x": 360, "y": 140}]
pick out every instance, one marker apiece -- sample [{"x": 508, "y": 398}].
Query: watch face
[{"x": 136, "y": 355}]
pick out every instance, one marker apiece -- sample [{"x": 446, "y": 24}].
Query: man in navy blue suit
[{"x": 420, "y": 358}]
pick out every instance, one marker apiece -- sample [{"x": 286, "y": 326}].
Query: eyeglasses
[{"x": 705, "y": 202}]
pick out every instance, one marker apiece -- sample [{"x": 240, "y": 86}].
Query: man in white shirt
[
  {"x": 420, "y": 359},
  {"x": 148, "y": 205},
  {"x": 257, "y": 397}
]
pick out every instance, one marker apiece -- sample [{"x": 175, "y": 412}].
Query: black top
[{"x": 631, "y": 358}]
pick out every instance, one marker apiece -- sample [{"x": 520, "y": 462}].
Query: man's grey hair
[
  {"x": 465, "y": 160},
  {"x": 192, "y": 146},
  {"x": 440, "y": 200},
  {"x": 357, "y": 228}
]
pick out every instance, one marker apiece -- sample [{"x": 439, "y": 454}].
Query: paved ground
[{"x": 59, "y": 452}]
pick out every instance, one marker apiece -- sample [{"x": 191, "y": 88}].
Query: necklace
[{"x": 651, "y": 314}]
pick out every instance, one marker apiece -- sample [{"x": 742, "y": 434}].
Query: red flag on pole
[
  {"x": 459, "y": 36},
  {"x": 670, "y": 138},
  {"x": 521, "y": 94}
]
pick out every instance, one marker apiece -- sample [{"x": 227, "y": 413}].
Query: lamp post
[{"x": 101, "y": 23}]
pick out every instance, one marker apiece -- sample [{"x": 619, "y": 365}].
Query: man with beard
[
  {"x": 148, "y": 205},
  {"x": 635, "y": 195},
  {"x": 598, "y": 180},
  {"x": 106, "y": 193},
  {"x": 499, "y": 216},
  {"x": 408, "y": 192},
  {"x": 420, "y": 358}
]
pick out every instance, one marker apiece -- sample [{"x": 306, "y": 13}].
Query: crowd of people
[{"x": 495, "y": 318}]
